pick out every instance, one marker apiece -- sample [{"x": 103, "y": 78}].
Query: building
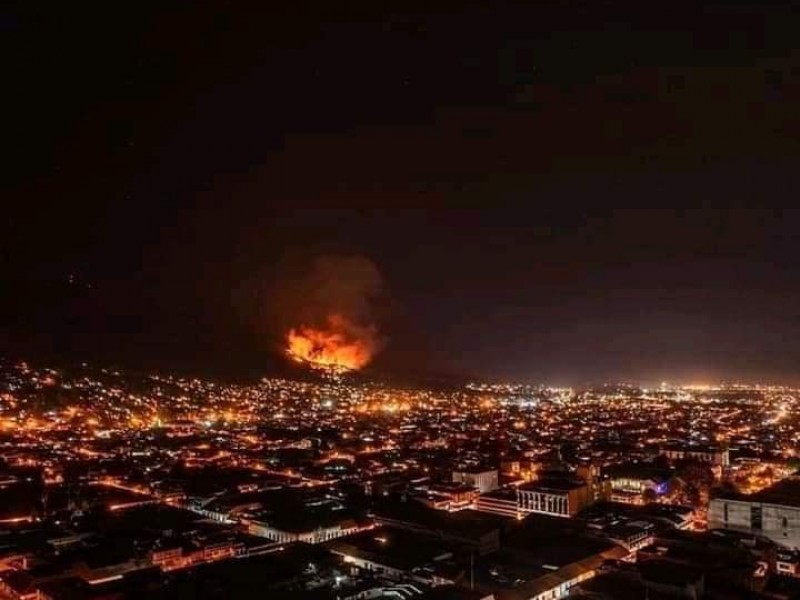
[
  {"x": 466, "y": 529},
  {"x": 599, "y": 487},
  {"x": 523, "y": 469},
  {"x": 543, "y": 558},
  {"x": 726, "y": 561},
  {"x": 555, "y": 497},
  {"x": 312, "y": 534},
  {"x": 450, "y": 497},
  {"x": 18, "y": 585},
  {"x": 630, "y": 483},
  {"x": 482, "y": 480},
  {"x": 773, "y": 512},
  {"x": 500, "y": 502},
  {"x": 654, "y": 581},
  {"x": 631, "y": 535},
  {"x": 559, "y": 498},
  {"x": 604, "y": 516},
  {"x": 392, "y": 553},
  {"x": 788, "y": 563},
  {"x": 713, "y": 455},
  {"x": 171, "y": 559}
]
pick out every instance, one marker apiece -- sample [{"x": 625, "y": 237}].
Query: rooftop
[
  {"x": 640, "y": 471},
  {"x": 554, "y": 541},
  {"x": 465, "y": 523},
  {"x": 553, "y": 485},
  {"x": 785, "y": 492},
  {"x": 396, "y": 548}
]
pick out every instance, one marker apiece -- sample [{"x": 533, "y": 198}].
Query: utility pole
[{"x": 472, "y": 570}]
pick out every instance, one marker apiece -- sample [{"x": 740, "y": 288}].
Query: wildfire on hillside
[{"x": 340, "y": 346}]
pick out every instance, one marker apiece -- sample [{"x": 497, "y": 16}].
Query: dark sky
[{"x": 553, "y": 191}]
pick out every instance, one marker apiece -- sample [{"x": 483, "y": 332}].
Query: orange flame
[{"x": 340, "y": 347}]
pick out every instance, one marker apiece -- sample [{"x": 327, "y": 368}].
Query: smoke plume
[{"x": 331, "y": 320}]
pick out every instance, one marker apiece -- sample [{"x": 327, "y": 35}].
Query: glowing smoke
[
  {"x": 340, "y": 346},
  {"x": 333, "y": 326}
]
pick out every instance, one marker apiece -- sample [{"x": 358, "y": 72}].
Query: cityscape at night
[
  {"x": 117, "y": 482},
  {"x": 400, "y": 301}
]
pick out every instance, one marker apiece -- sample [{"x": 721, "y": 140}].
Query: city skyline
[
  {"x": 400, "y": 301},
  {"x": 187, "y": 487}
]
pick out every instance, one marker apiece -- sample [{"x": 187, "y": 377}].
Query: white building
[
  {"x": 713, "y": 455},
  {"x": 555, "y": 498},
  {"x": 501, "y": 502},
  {"x": 773, "y": 513},
  {"x": 483, "y": 481},
  {"x": 313, "y": 536}
]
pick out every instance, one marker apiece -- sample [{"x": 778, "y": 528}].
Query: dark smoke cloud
[{"x": 308, "y": 294}]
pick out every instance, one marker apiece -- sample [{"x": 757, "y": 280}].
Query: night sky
[{"x": 552, "y": 191}]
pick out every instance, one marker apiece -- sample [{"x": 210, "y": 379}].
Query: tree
[
  {"x": 725, "y": 489},
  {"x": 676, "y": 487},
  {"x": 661, "y": 462},
  {"x": 698, "y": 474},
  {"x": 178, "y": 470},
  {"x": 692, "y": 495}
]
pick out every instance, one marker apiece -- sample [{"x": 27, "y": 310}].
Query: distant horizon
[{"x": 288, "y": 370}]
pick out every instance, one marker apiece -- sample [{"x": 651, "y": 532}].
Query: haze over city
[
  {"x": 434, "y": 301},
  {"x": 163, "y": 190}
]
